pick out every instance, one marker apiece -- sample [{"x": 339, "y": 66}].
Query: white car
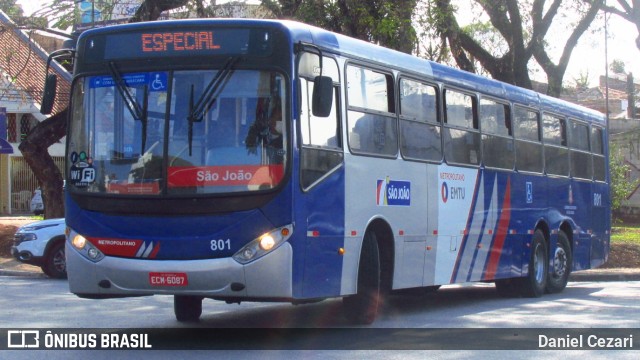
[{"x": 41, "y": 243}]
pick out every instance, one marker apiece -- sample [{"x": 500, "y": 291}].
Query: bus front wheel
[
  {"x": 362, "y": 308},
  {"x": 187, "y": 308}
]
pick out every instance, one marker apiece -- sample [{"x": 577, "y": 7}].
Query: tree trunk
[{"x": 34, "y": 150}]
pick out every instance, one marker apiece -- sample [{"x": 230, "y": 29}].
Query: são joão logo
[{"x": 393, "y": 193}]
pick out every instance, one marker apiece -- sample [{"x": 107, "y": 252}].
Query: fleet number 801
[{"x": 220, "y": 245}]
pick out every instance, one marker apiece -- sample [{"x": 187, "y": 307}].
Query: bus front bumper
[{"x": 267, "y": 277}]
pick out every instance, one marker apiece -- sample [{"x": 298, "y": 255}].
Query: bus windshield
[{"x": 178, "y": 132}]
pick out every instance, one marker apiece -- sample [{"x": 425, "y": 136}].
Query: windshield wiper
[
  {"x": 138, "y": 112},
  {"x": 208, "y": 97}
]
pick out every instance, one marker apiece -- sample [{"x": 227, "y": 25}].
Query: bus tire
[
  {"x": 534, "y": 284},
  {"x": 561, "y": 265},
  {"x": 187, "y": 308},
  {"x": 362, "y": 308}
]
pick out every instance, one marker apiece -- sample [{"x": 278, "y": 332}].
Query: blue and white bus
[{"x": 248, "y": 160}]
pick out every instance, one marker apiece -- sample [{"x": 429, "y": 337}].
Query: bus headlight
[
  {"x": 79, "y": 242},
  {"x": 86, "y": 248},
  {"x": 263, "y": 244}
]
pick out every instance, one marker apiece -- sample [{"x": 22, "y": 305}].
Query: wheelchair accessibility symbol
[{"x": 158, "y": 82}]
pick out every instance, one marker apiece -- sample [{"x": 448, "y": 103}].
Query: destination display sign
[{"x": 174, "y": 42}]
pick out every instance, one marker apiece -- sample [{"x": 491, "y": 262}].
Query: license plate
[{"x": 168, "y": 279}]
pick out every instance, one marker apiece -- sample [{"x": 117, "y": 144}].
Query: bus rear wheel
[
  {"x": 362, "y": 308},
  {"x": 534, "y": 284},
  {"x": 561, "y": 268},
  {"x": 187, "y": 308}
]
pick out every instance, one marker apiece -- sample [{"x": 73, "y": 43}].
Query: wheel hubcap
[{"x": 560, "y": 262}]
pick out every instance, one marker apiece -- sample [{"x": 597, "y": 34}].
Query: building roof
[{"x": 23, "y": 68}]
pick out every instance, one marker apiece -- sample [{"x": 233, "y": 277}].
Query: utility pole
[{"x": 631, "y": 97}]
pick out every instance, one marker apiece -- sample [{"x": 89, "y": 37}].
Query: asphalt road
[{"x": 455, "y": 322}]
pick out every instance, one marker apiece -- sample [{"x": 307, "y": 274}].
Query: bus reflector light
[{"x": 341, "y": 251}]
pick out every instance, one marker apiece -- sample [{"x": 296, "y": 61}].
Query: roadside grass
[{"x": 625, "y": 234}]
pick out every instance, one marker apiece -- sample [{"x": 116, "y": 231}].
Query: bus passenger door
[{"x": 322, "y": 200}]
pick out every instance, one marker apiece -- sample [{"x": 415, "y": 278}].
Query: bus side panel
[
  {"x": 529, "y": 201},
  {"x": 460, "y": 219},
  {"x": 391, "y": 192},
  {"x": 322, "y": 216},
  {"x": 489, "y": 246},
  {"x": 505, "y": 257},
  {"x": 600, "y": 224},
  {"x": 579, "y": 209}
]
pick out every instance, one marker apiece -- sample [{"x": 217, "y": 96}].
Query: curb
[
  {"x": 7, "y": 272},
  {"x": 606, "y": 275}
]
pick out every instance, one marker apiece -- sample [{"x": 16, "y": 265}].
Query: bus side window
[
  {"x": 527, "y": 134},
  {"x": 497, "y": 141},
  {"x": 597, "y": 149},
  {"x": 371, "y": 119},
  {"x": 580, "y": 158},
  {"x": 321, "y": 136},
  {"x": 556, "y": 153},
  {"x": 420, "y": 135},
  {"x": 461, "y": 135}
]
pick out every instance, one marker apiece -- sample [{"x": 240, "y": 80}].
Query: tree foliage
[
  {"x": 617, "y": 66},
  {"x": 384, "y": 22},
  {"x": 11, "y": 8},
  {"x": 630, "y": 11},
  {"x": 524, "y": 28},
  {"x": 16, "y": 13},
  {"x": 621, "y": 184}
]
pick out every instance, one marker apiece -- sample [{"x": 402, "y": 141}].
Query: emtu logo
[{"x": 444, "y": 191}]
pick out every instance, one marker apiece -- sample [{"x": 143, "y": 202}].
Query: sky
[{"x": 587, "y": 58}]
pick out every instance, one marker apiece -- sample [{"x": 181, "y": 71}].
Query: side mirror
[
  {"x": 49, "y": 94},
  {"x": 322, "y": 101}
]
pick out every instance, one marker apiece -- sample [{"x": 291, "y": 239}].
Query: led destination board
[
  {"x": 151, "y": 43},
  {"x": 178, "y": 41}
]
